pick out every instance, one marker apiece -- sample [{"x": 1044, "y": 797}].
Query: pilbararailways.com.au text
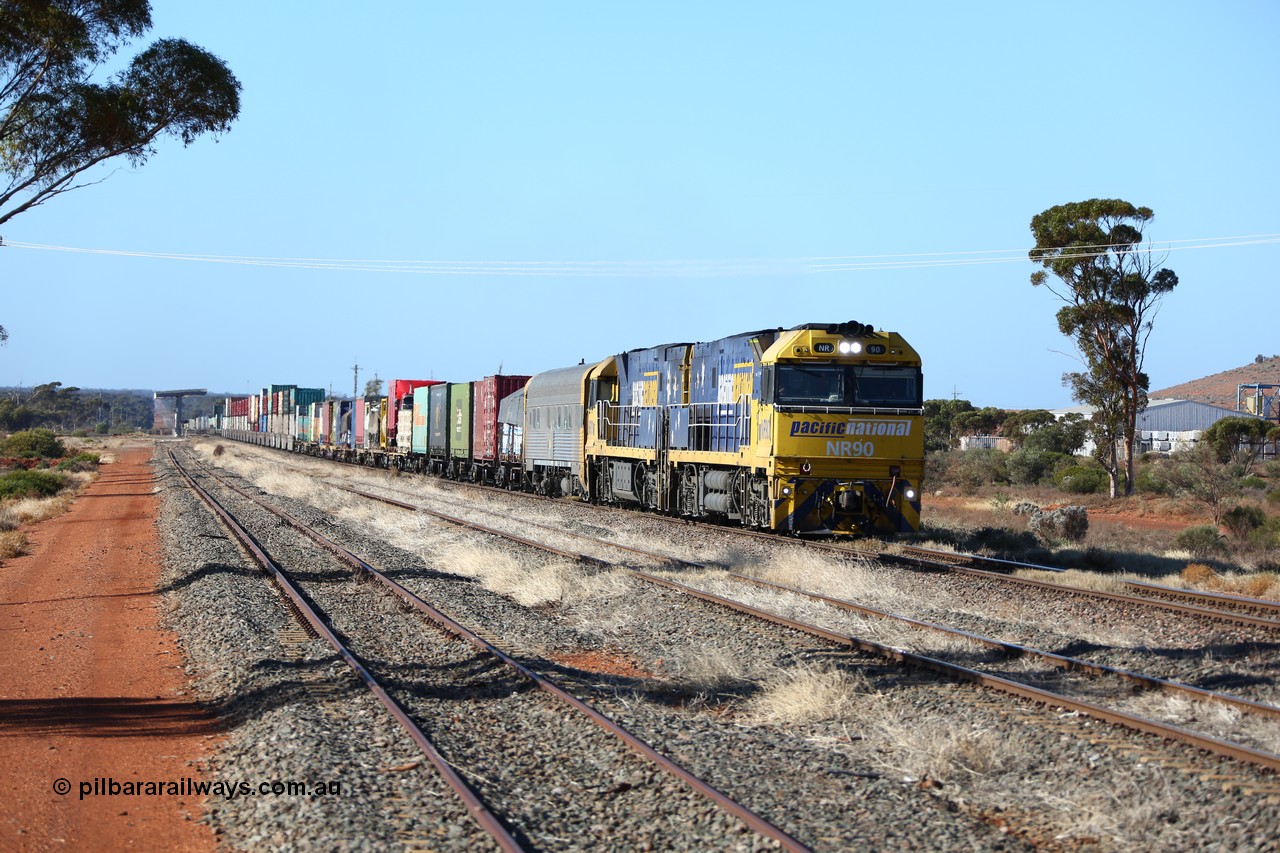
[{"x": 189, "y": 787}]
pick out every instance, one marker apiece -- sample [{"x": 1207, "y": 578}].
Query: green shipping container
[{"x": 460, "y": 420}]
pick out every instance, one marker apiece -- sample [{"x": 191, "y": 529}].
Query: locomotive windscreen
[{"x": 848, "y": 385}]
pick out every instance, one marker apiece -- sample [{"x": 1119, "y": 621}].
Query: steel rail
[
  {"x": 1147, "y": 588},
  {"x": 1063, "y": 662},
  {"x": 479, "y": 812},
  {"x": 721, "y": 800},
  {"x": 1217, "y": 746},
  {"x": 1142, "y": 601},
  {"x": 1208, "y": 743},
  {"x": 462, "y": 522},
  {"x": 531, "y": 543},
  {"x": 1148, "y": 592},
  {"x": 1059, "y": 661}
]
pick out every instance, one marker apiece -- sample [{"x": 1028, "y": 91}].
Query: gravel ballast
[{"x": 904, "y": 760}]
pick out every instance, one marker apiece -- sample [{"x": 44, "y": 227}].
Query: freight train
[{"x": 813, "y": 430}]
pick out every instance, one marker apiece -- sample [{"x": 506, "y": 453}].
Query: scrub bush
[
  {"x": 1028, "y": 467},
  {"x": 1242, "y": 520},
  {"x": 1202, "y": 540},
  {"x": 79, "y": 462},
  {"x": 1082, "y": 480},
  {"x": 30, "y": 484},
  {"x": 33, "y": 443},
  {"x": 1066, "y": 524}
]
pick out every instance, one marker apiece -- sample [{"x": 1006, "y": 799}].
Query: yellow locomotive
[{"x": 812, "y": 430}]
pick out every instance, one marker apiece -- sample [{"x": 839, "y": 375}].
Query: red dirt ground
[{"x": 90, "y": 686}]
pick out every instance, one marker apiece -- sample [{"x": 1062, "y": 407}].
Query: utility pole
[{"x": 355, "y": 395}]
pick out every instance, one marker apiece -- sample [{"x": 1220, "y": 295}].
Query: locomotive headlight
[
  {"x": 910, "y": 494},
  {"x": 786, "y": 491},
  {"x": 850, "y": 347}
]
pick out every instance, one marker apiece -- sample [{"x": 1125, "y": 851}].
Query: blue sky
[{"x": 543, "y": 183}]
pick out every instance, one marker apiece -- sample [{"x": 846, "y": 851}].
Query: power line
[{"x": 668, "y": 268}]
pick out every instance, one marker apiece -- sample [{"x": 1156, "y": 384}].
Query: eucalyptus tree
[
  {"x": 1111, "y": 290},
  {"x": 57, "y": 123}
]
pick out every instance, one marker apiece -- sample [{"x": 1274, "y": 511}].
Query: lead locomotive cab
[
  {"x": 811, "y": 430},
  {"x": 844, "y": 403}
]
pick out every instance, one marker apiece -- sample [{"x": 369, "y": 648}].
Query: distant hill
[{"x": 1221, "y": 389}]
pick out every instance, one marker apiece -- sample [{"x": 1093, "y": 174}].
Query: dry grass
[
  {"x": 32, "y": 510},
  {"x": 1251, "y": 584},
  {"x": 1076, "y": 578},
  {"x": 805, "y": 695},
  {"x": 1196, "y": 576},
  {"x": 13, "y": 543},
  {"x": 1138, "y": 812},
  {"x": 935, "y": 747},
  {"x": 19, "y": 511}
]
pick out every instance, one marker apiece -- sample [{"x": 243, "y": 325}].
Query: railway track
[
  {"x": 1093, "y": 751},
  {"x": 1202, "y": 604},
  {"x": 948, "y": 669},
  {"x": 496, "y": 828}
]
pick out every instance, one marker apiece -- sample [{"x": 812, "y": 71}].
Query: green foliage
[
  {"x": 1242, "y": 520},
  {"x": 1081, "y": 480},
  {"x": 34, "y": 443},
  {"x": 14, "y": 416},
  {"x": 1065, "y": 435},
  {"x": 1110, "y": 289},
  {"x": 1016, "y": 426},
  {"x": 102, "y": 428},
  {"x": 1273, "y": 496},
  {"x": 1198, "y": 475},
  {"x": 984, "y": 421},
  {"x": 938, "y": 416},
  {"x": 1028, "y": 466},
  {"x": 1266, "y": 536},
  {"x": 30, "y": 484},
  {"x": 976, "y": 468},
  {"x": 1201, "y": 541},
  {"x": 79, "y": 462},
  {"x": 1239, "y": 439},
  {"x": 58, "y": 123},
  {"x": 1149, "y": 480},
  {"x": 69, "y": 409},
  {"x": 1252, "y": 482}
]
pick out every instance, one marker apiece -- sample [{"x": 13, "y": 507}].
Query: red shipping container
[
  {"x": 486, "y": 432},
  {"x": 400, "y": 390}
]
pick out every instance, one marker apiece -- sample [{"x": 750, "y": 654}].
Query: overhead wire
[{"x": 666, "y": 268}]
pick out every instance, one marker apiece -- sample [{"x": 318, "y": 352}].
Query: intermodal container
[
  {"x": 460, "y": 396},
  {"x": 486, "y": 434},
  {"x": 421, "y": 427},
  {"x": 438, "y": 422},
  {"x": 511, "y": 427},
  {"x": 400, "y": 399}
]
